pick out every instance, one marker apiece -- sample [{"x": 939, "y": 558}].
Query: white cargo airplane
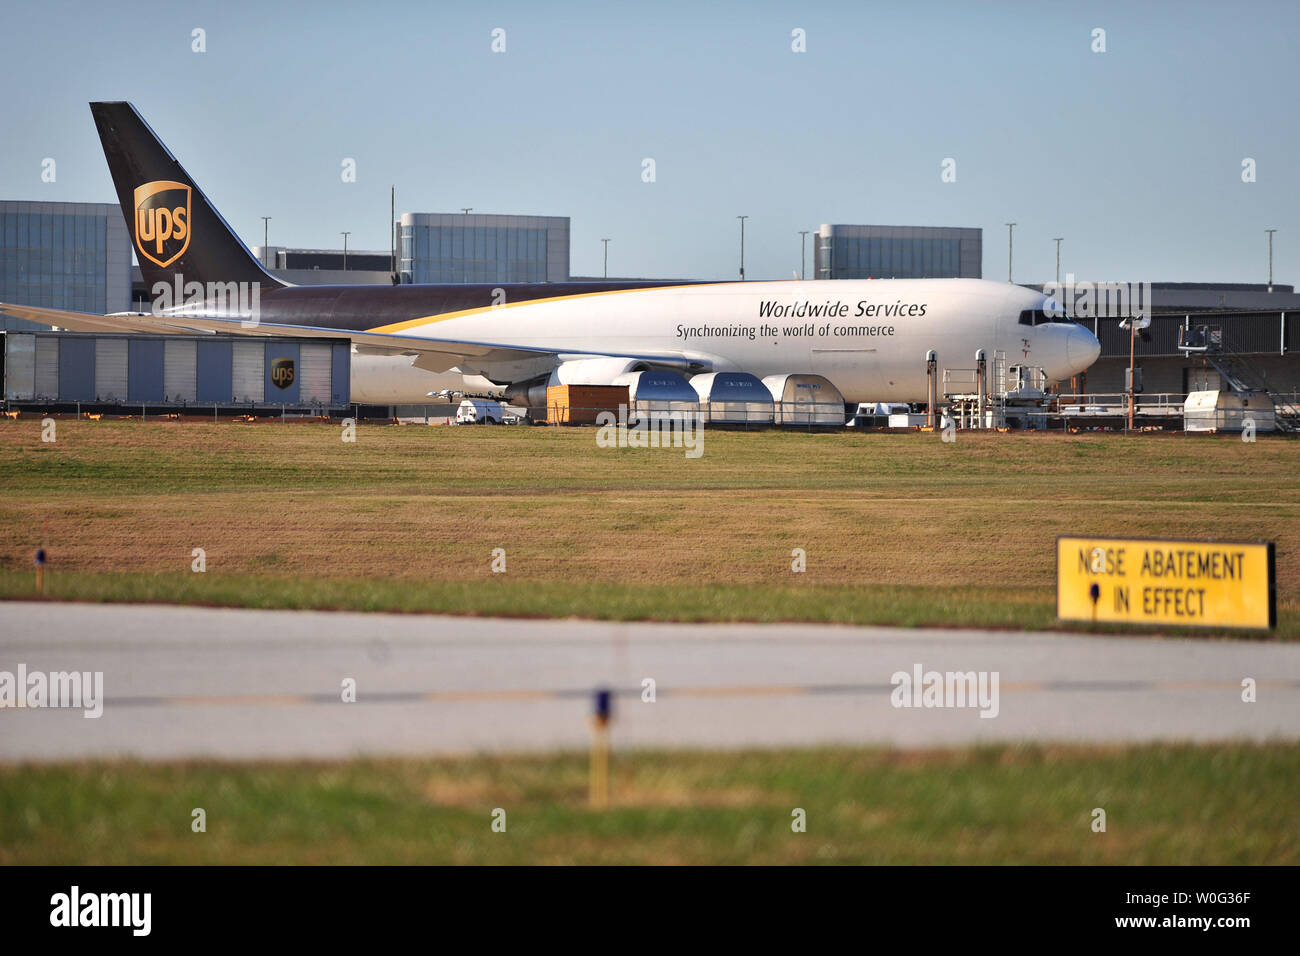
[{"x": 868, "y": 337}]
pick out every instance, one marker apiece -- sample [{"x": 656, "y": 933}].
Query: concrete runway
[{"x": 201, "y": 682}]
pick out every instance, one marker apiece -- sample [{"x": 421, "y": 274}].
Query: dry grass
[{"x": 429, "y": 504}]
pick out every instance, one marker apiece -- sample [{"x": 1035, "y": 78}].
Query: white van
[
  {"x": 876, "y": 414},
  {"x": 477, "y": 411}
]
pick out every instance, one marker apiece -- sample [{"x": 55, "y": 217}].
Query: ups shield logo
[
  {"x": 162, "y": 221},
  {"x": 282, "y": 372}
]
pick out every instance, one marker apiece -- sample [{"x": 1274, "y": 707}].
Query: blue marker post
[
  {"x": 600, "y": 749},
  {"x": 40, "y": 571}
]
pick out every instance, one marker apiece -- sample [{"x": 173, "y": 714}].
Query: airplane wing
[
  {"x": 434, "y": 355},
  {"x": 430, "y": 354},
  {"x": 87, "y": 321}
]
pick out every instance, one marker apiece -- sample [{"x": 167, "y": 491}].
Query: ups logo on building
[
  {"x": 282, "y": 372},
  {"x": 162, "y": 221}
]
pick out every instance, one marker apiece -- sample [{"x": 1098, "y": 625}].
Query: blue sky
[{"x": 1133, "y": 155}]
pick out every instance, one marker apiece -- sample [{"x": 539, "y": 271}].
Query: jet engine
[{"x": 531, "y": 394}]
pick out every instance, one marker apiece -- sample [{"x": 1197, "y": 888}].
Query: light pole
[
  {"x": 1270, "y": 258},
  {"x": 466, "y": 209},
  {"x": 1058, "y": 241},
  {"x": 803, "y": 255},
  {"x": 742, "y": 246},
  {"x": 606, "y": 242},
  {"x": 1010, "y": 228},
  {"x": 1133, "y": 323},
  {"x": 345, "y": 250},
  {"x": 266, "y": 220}
]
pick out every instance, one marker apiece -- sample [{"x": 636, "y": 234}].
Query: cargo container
[
  {"x": 1221, "y": 410},
  {"x": 805, "y": 399},
  {"x": 580, "y": 404},
  {"x": 175, "y": 370},
  {"x": 736, "y": 398},
  {"x": 656, "y": 394}
]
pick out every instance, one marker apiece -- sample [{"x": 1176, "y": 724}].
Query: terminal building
[
  {"x": 447, "y": 247},
  {"x": 64, "y": 255},
  {"x": 327, "y": 266},
  {"x": 897, "y": 252},
  {"x": 438, "y": 248}
]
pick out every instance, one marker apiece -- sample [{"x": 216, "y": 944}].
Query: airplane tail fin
[{"x": 175, "y": 230}]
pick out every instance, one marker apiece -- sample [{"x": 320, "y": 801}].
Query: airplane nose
[{"x": 1081, "y": 348}]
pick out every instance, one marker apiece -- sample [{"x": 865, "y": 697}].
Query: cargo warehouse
[{"x": 175, "y": 371}]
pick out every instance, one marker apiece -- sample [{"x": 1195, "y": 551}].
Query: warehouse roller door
[
  {"x": 110, "y": 370},
  {"x": 215, "y": 359},
  {"x": 283, "y": 361},
  {"x": 180, "y": 357},
  {"x": 144, "y": 370},
  {"x": 341, "y": 381},
  {"x": 315, "y": 360},
  {"x": 249, "y": 364},
  {"x": 77, "y": 369},
  {"x": 47, "y": 366},
  {"x": 20, "y": 366}
]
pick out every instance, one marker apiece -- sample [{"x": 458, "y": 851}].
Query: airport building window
[
  {"x": 445, "y": 254},
  {"x": 891, "y": 258},
  {"x": 896, "y": 252},
  {"x": 53, "y": 260}
]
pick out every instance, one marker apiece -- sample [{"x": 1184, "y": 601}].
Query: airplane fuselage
[{"x": 869, "y": 337}]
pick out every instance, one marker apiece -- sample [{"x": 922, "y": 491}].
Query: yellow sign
[{"x": 1187, "y": 583}]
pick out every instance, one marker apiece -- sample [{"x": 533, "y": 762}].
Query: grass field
[
  {"x": 898, "y": 528},
  {"x": 1164, "y": 805}
]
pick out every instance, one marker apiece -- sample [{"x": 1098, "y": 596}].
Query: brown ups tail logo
[
  {"x": 282, "y": 372},
  {"x": 162, "y": 221}
]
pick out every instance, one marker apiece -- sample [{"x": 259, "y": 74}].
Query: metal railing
[
  {"x": 1101, "y": 404},
  {"x": 960, "y": 381},
  {"x": 743, "y": 415}
]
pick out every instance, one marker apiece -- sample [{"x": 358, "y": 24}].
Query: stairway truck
[{"x": 1223, "y": 410}]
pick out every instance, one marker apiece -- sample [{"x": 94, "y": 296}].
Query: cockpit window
[{"x": 1049, "y": 312}]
